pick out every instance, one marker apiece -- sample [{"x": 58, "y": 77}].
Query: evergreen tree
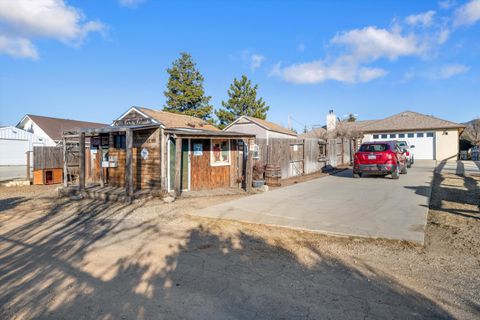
[
  {"x": 185, "y": 93},
  {"x": 351, "y": 118},
  {"x": 242, "y": 101}
]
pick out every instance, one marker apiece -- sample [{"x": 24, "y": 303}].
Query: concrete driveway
[{"x": 375, "y": 207}]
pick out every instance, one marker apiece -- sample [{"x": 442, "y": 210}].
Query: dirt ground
[{"x": 62, "y": 259}]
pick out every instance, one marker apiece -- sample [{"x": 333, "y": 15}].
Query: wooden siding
[
  {"x": 146, "y": 172},
  {"x": 205, "y": 176}
]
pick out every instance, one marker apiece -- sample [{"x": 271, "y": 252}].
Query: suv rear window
[{"x": 380, "y": 147}]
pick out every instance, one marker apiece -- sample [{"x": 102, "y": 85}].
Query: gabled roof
[
  {"x": 54, "y": 127},
  {"x": 174, "y": 120},
  {"x": 409, "y": 120},
  {"x": 264, "y": 124}
]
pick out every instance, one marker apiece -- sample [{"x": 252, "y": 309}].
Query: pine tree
[
  {"x": 185, "y": 93},
  {"x": 351, "y": 118},
  {"x": 242, "y": 101}
]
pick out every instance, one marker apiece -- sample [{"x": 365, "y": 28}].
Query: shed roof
[
  {"x": 176, "y": 120},
  {"x": 265, "y": 124},
  {"x": 54, "y": 127}
]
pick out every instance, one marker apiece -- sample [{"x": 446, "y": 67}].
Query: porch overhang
[{"x": 186, "y": 133}]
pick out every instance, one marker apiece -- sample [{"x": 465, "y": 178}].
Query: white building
[
  {"x": 432, "y": 138},
  {"x": 14, "y": 144},
  {"x": 51, "y": 129}
]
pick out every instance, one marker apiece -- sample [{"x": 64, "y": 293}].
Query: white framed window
[
  {"x": 220, "y": 152},
  {"x": 401, "y": 135},
  {"x": 255, "y": 152},
  {"x": 430, "y": 134},
  {"x": 411, "y": 135},
  {"x": 375, "y": 136},
  {"x": 420, "y": 135},
  {"x": 384, "y": 136},
  {"x": 393, "y": 135}
]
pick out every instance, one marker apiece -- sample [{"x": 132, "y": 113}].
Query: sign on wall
[
  {"x": 144, "y": 154},
  {"x": 198, "y": 149}
]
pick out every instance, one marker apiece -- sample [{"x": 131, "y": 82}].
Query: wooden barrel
[{"x": 273, "y": 174}]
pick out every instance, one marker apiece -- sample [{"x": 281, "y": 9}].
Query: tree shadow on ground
[
  {"x": 205, "y": 275},
  {"x": 465, "y": 196},
  {"x": 10, "y": 203}
]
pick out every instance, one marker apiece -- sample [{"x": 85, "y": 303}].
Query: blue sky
[{"x": 92, "y": 60}]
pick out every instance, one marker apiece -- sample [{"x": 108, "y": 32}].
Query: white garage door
[
  {"x": 423, "y": 141},
  {"x": 12, "y": 152}
]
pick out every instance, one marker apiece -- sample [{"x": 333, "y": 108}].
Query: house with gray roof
[{"x": 262, "y": 129}]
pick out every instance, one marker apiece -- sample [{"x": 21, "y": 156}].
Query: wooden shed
[{"x": 154, "y": 150}]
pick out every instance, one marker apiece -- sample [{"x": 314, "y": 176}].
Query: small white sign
[
  {"x": 144, "y": 153},
  {"x": 295, "y": 147},
  {"x": 198, "y": 149}
]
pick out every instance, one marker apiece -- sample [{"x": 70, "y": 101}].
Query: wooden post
[
  {"x": 65, "y": 167},
  {"x": 28, "y": 165},
  {"x": 81, "y": 179},
  {"x": 304, "y": 153},
  {"x": 100, "y": 154},
  {"x": 249, "y": 168},
  {"x": 129, "y": 163},
  {"x": 163, "y": 160},
  {"x": 178, "y": 166}
]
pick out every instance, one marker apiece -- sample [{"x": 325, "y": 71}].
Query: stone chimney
[{"x": 331, "y": 121}]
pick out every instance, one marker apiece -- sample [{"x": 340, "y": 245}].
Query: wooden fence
[
  {"x": 302, "y": 156},
  {"x": 47, "y": 157}
]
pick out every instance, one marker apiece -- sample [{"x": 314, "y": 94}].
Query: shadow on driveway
[{"x": 203, "y": 274}]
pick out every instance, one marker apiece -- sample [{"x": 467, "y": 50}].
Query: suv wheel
[
  {"x": 404, "y": 169},
  {"x": 396, "y": 174},
  {"x": 409, "y": 163},
  {"x": 357, "y": 175}
]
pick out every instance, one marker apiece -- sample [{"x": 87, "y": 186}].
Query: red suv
[{"x": 382, "y": 158}]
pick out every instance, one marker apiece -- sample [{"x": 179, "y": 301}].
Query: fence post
[
  {"x": 82, "y": 162},
  {"x": 249, "y": 168},
  {"x": 128, "y": 163},
  {"x": 304, "y": 162},
  {"x": 28, "y": 165},
  {"x": 65, "y": 167}
]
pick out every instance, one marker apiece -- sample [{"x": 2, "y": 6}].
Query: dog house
[
  {"x": 47, "y": 165},
  {"x": 48, "y": 176}
]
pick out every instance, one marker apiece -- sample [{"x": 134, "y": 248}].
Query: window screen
[{"x": 119, "y": 142}]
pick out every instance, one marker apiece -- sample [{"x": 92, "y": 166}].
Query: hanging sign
[{"x": 144, "y": 153}]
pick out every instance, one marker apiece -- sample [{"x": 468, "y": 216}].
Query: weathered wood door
[{"x": 203, "y": 174}]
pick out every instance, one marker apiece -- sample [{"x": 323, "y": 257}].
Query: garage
[
  {"x": 433, "y": 138},
  {"x": 423, "y": 142}
]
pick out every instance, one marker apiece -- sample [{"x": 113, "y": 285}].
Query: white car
[{"x": 409, "y": 152}]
